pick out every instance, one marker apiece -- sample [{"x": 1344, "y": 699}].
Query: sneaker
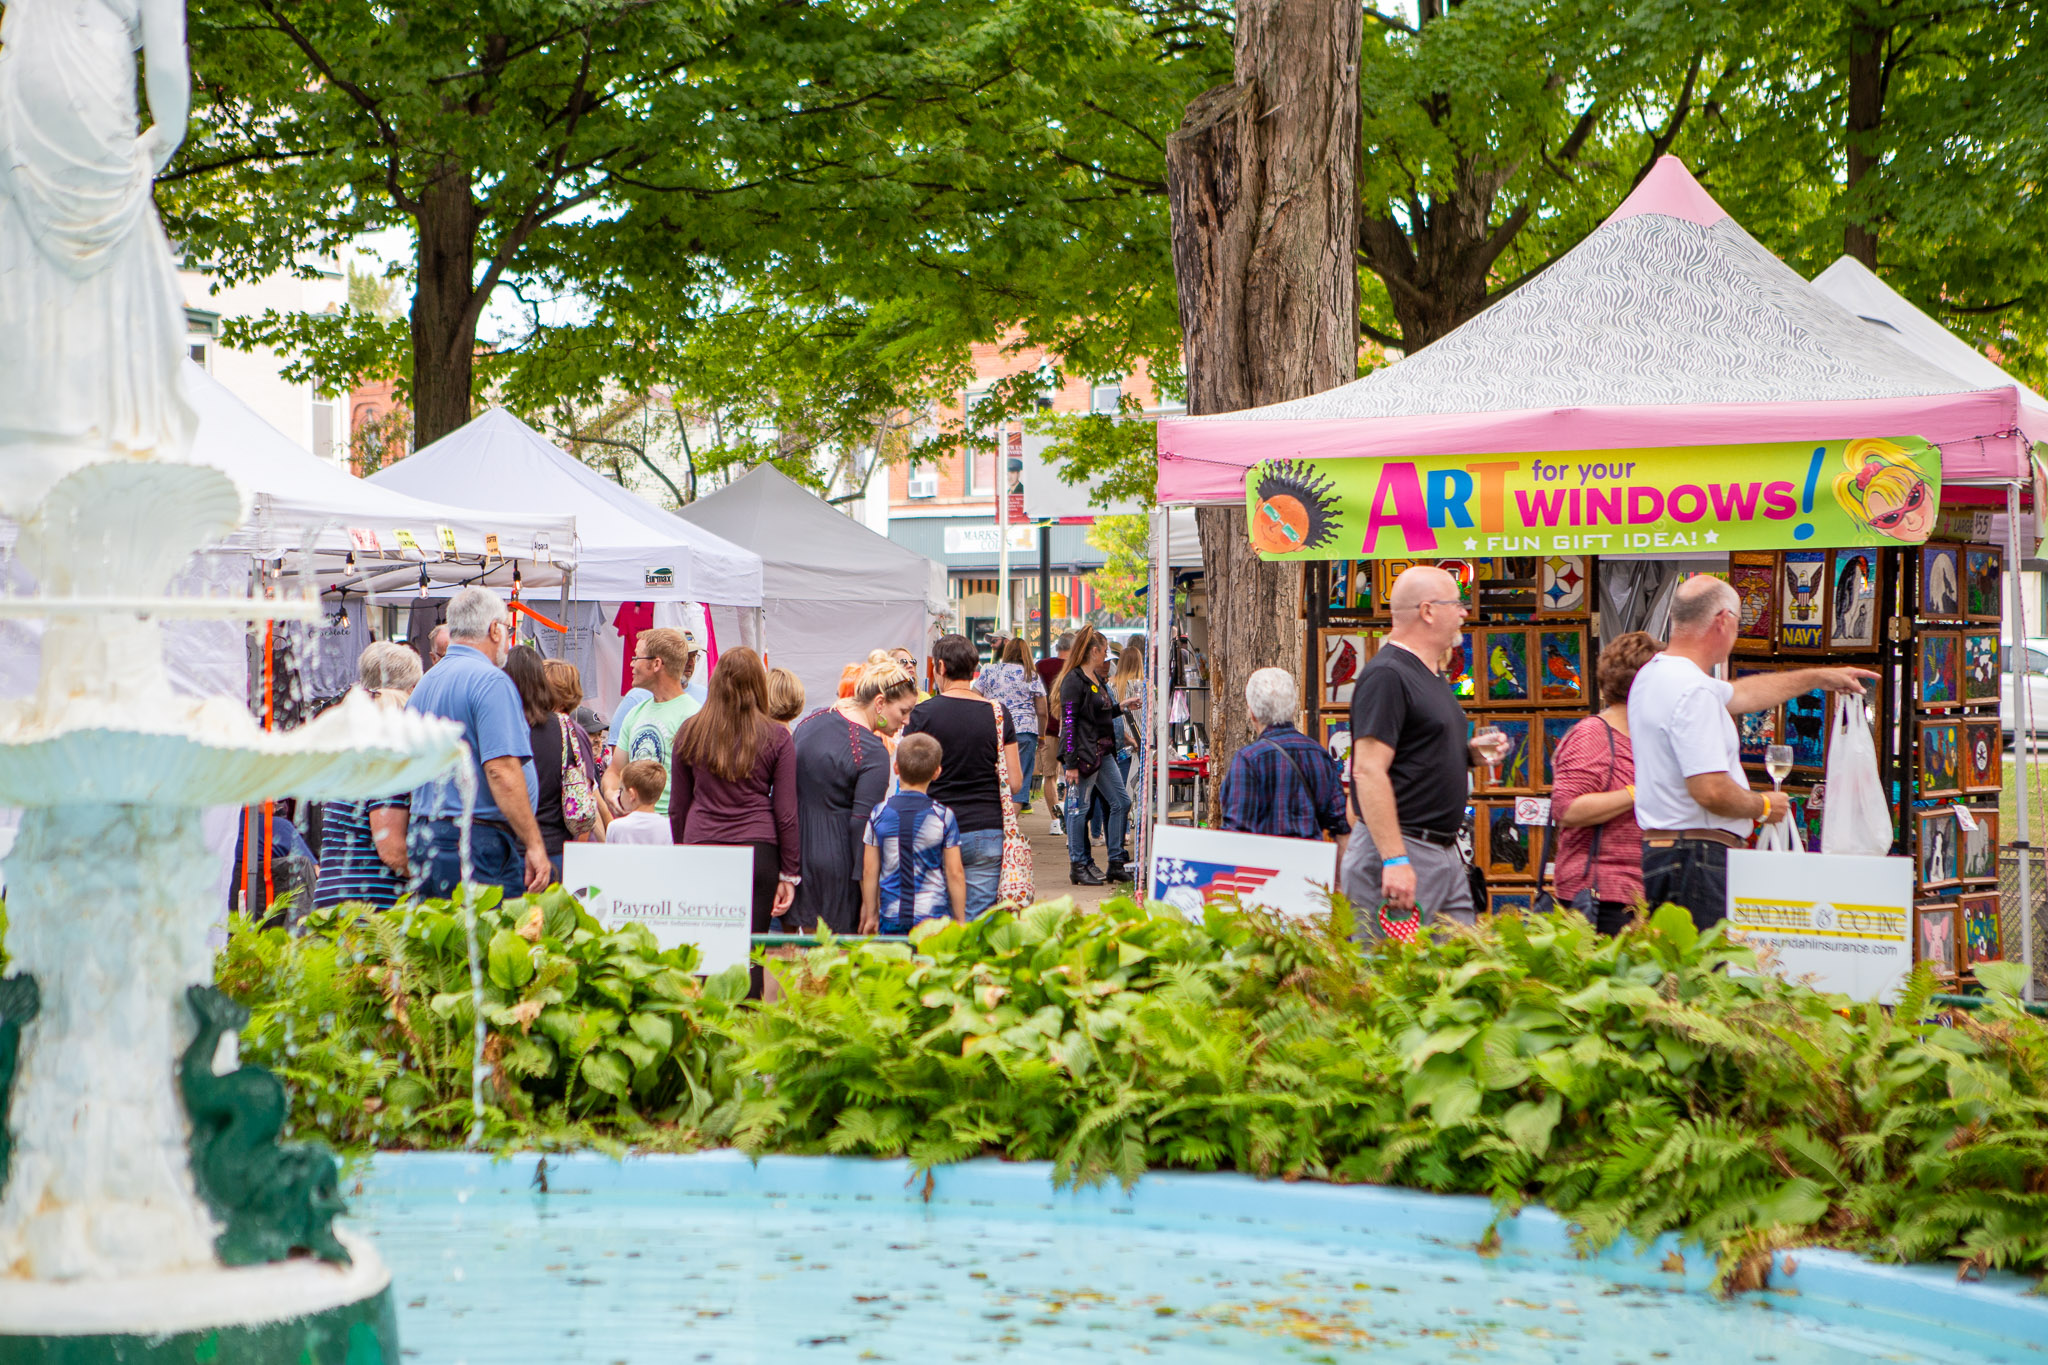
[{"x": 1057, "y": 830}]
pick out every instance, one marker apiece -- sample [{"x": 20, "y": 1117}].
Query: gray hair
[
  {"x": 387, "y": 665},
  {"x": 471, "y": 612},
  {"x": 1700, "y": 599},
  {"x": 1270, "y": 695},
  {"x": 1065, "y": 642}
]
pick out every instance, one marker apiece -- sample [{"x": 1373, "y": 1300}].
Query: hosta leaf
[
  {"x": 653, "y": 1030},
  {"x": 510, "y": 960},
  {"x": 606, "y": 1071}
]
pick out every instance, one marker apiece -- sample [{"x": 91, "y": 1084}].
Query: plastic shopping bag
[
  {"x": 1855, "y": 818},
  {"x": 1780, "y": 836}
]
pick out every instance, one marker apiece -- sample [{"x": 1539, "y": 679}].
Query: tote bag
[{"x": 1014, "y": 884}]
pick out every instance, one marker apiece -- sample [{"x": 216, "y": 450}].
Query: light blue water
[{"x": 488, "y": 1271}]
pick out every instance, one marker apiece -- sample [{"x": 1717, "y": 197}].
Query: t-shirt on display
[{"x": 1679, "y": 725}]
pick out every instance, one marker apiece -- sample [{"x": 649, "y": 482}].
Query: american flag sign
[{"x": 1209, "y": 881}]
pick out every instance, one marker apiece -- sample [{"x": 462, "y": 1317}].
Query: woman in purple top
[{"x": 733, "y": 781}]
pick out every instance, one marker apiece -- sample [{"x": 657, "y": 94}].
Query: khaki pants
[{"x": 1442, "y": 886}]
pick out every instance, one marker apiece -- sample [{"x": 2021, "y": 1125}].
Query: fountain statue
[{"x": 146, "y": 1209}]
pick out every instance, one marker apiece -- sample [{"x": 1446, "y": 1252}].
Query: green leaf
[
  {"x": 1530, "y": 1123},
  {"x": 2008, "y": 979},
  {"x": 653, "y": 1030},
  {"x": 510, "y": 960},
  {"x": 607, "y": 1071},
  {"x": 1675, "y": 923}
]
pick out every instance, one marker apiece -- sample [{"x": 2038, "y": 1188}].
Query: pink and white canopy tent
[{"x": 1668, "y": 326}]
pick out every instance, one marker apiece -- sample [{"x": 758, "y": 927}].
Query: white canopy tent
[
  {"x": 831, "y": 589},
  {"x": 627, "y": 550},
  {"x": 636, "y": 565}
]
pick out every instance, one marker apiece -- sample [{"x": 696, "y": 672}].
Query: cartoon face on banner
[{"x": 1787, "y": 495}]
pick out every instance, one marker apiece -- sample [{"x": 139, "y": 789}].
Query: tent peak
[{"x": 1670, "y": 190}]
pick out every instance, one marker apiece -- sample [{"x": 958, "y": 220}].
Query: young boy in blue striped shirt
[{"x": 912, "y": 870}]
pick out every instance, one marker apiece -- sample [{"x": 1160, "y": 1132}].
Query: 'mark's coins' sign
[{"x": 1870, "y": 491}]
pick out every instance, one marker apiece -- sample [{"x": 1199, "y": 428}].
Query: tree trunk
[
  {"x": 1262, "y": 181},
  {"x": 443, "y": 327},
  {"x": 1866, "y": 113}
]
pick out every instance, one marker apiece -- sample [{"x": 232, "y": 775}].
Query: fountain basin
[
  {"x": 207, "y": 753},
  {"x": 712, "y": 1257}
]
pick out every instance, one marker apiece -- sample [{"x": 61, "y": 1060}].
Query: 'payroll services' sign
[
  {"x": 1811, "y": 494},
  {"x": 1841, "y": 921},
  {"x": 689, "y": 893}
]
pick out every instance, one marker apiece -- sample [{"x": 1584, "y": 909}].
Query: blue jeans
[
  {"x": 981, "y": 854},
  {"x": 1108, "y": 780},
  {"x": 435, "y": 847},
  {"x": 1027, "y": 758}
]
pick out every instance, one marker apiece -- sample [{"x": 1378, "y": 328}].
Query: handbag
[
  {"x": 1587, "y": 901},
  {"x": 579, "y": 800},
  {"x": 1015, "y": 882}
]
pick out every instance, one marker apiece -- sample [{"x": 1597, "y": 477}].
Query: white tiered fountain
[{"x": 147, "y": 1212}]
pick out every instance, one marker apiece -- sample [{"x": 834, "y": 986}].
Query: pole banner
[{"x": 1786, "y": 495}]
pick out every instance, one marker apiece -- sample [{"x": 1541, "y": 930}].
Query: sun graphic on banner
[{"x": 1296, "y": 509}]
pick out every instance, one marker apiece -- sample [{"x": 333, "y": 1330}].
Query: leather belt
[
  {"x": 1430, "y": 836},
  {"x": 1664, "y": 838}
]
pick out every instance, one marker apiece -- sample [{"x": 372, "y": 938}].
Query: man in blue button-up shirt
[
  {"x": 470, "y": 687},
  {"x": 1283, "y": 782}
]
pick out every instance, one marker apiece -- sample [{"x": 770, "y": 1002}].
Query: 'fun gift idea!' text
[{"x": 1869, "y": 491}]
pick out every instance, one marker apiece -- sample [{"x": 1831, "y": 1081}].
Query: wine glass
[
  {"x": 1492, "y": 743},
  {"x": 1778, "y": 763}
]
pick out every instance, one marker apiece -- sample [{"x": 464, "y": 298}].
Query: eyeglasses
[{"x": 1435, "y": 602}]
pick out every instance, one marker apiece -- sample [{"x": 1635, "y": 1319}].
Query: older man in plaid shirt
[{"x": 1283, "y": 782}]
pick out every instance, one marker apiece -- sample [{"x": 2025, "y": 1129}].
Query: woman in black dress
[
  {"x": 529, "y": 672},
  {"x": 842, "y": 771}
]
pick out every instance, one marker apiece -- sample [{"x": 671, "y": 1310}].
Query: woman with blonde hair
[
  {"x": 362, "y": 843},
  {"x": 842, "y": 773},
  {"x": 1884, "y": 489},
  {"x": 785, "y": 697},
  {"x": 733, "y": 781}
]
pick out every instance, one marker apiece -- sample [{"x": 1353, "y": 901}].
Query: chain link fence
[{"x": 2017, "y": 920}]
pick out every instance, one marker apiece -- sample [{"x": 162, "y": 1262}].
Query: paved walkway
[{"x": 1050, "y": 870}]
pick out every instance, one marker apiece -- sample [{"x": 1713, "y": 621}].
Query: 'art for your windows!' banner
[{"x": 1869, "y": 491}]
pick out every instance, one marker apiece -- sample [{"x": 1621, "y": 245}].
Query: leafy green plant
[
  {"x": 370, "y": 1019},
  {"x": 1653, "y": 1082}
]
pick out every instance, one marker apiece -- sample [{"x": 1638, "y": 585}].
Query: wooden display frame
[
  {"x": 1329, "y": 641},
  {"x": 1983, "y": 565},
  {"x": 1803, "y": 723},
  {"x": 1525, "y": 731},
  {"x": 1554, "y": 729},
  {"x": 1511, "y": 900},
  {"x": 1985, "y": 776},
  {"x": 1938, "y": 758},
  {"x": 1983, "y": 929},
  {"x": 1520, "y": 644},
  {"x": 1935, "y": 931},
  {"x": 1494, "y": 858},
  {"x": 1559, "y": 664},
  {"x": 1937, "y": 670},
  {"x": 1937, "y": 591},
  {"x": 1935, "y": 848},
  {"x": 1851, "y": 628},
  {"x": 1977, "y": 666},
  {"x": 1977, "y": 852},
  {"x": 1754, "y": 576},
  {"x": 1803, "y": 602}
]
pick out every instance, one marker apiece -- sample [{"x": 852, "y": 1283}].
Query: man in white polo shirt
[{"x": 1693, "y": 800}]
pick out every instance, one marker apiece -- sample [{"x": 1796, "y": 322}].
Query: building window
[
  {"x": 200, "y": 329},
  {"x": 924, "y": 483},
  {"x": 1104, "y": 394},
  {"x": 983, "y": 434},
  {"x": 323, "y": 426}
]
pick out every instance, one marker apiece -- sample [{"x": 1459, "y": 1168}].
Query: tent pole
[
  {"x": 1162, "y": 691},
  {"x": 2022, "y": 730}
]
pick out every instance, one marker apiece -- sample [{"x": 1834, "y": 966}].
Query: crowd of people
[
  {"x": 889, "y": 804},
  {"x": 895, "y": 802}
]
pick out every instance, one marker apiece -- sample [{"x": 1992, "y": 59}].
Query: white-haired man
[
  {"x": 1283, "y": 783},
  {"x": 470, "y": 687},
  {"x": 1411, "y": 764},
  {"x": 1693, "y": 800}
]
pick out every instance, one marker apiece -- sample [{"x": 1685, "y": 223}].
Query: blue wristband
[{"x": 1401, "y": 861}]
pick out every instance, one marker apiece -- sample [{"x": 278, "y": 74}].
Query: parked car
[{"x": 2036, "y": 669}]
